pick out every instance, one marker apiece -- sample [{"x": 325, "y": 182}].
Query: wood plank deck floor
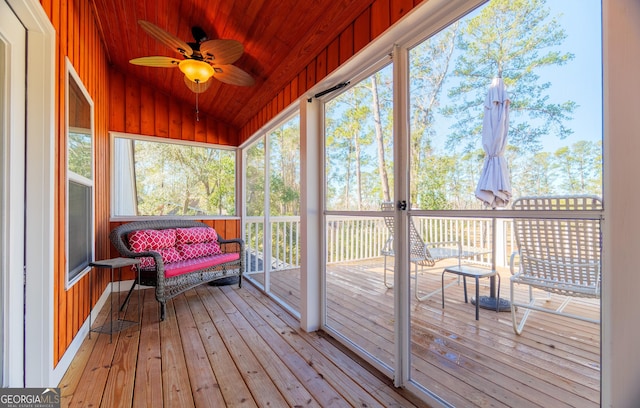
[
  {"x": 225, "y": 346},
  {"x": 555, "y": 362},
  {"x": 220, "y": 346}
]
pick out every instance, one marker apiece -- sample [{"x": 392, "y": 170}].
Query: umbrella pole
[
  {"x": 489, "y": 302},
  {"x": 494, "y": 235}
]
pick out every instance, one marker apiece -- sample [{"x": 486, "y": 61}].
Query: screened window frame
[{"x": 153, "y": 139}]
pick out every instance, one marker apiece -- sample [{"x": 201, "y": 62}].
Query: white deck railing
[{"x": 359, "y": 238}]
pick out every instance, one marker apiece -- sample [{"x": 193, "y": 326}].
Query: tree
[
  {"x": 430, "y": 62},
  {"x": 79, "y": 158},
  {"x": 255, "y": 183},
  {"x": 349, "y": 144},
  {"x": 184, "y": 179},
  {"x": 377, "y": 120},
  {"x": 284, "y": 185},
  {"x": 512, "y": 39},
  {"x": 580, "y": 167},
  {"x": 536, "y": 176}
]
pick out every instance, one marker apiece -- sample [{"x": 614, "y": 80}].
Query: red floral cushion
[
  {"x": 168, "y": 255},
  {"x": 195, "y": 235},
  {"x": 161, "y": 241},
  {"x": 190, "y": 251},
  {"x": 145, "y": 240}
]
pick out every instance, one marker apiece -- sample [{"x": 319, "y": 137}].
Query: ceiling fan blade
[
  {"x": 162, "y": 62},
  {"x": 221, "y": 52},
  {"x": 197, "y": 88},
  {"x": 232, "y": 75},
  {"x": 166, "y": 38}
]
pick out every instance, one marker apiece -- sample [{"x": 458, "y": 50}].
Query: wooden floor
[
  {"x": 220, "y": 346},
  {"x": 554, "y": 363}
]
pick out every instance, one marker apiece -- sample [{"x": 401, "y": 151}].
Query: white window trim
[{"x": 70, "y": 176}]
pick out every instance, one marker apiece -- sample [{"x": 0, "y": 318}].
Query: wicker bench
[{"x": 171, "y": 276}]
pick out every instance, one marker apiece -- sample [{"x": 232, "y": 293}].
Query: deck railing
[{"x": 359, "y": 238}]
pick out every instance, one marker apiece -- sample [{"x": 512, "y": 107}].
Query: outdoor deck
[
  {"x": 206, "y": 352},
  {"x": 555, "y": 362}
]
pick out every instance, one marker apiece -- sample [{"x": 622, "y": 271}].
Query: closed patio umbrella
[{"x": 494, "y": 187}]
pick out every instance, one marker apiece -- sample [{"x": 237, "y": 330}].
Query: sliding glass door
[{"x": 404, "y": 154}]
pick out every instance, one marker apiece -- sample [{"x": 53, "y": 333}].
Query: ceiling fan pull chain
[{"x": 197, "y": 117}]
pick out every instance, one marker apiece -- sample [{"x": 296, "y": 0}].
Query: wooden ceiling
[{"x": 280, "y": 38}]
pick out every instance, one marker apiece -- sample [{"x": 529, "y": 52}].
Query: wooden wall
[
  {"x": 379, "y": 16},
  {"x": 140, "y": 109}
]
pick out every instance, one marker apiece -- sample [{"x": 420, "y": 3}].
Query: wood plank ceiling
[{"x": 280, "y": 38}]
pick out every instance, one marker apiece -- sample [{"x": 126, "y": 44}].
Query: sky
[{"x": 581, "y": 79}]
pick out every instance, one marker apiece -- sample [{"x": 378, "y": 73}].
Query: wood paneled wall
[
  {"x": 78, "y": 38},
  {"x": 380, "y": 15},
  {"x": 140, "y": 109}
]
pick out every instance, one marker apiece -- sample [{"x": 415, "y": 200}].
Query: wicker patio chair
[
  {"x": 557, "y": 255},
  {"x": 423, "y": 254}
]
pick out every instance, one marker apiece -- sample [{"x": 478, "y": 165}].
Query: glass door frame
[
  {"x": 398, "y": 48},
  {"x": 399, "y": 138}
]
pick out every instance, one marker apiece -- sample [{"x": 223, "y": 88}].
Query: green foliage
[
  {"x": 429, "y": 62},
  {"x": 284, "y": 186},
  {"x": 174, "y": 179},
  {"x": 357, "y": 140},
  {"x": 254, "y": 183},
  {"x": 576, "y": 162},
  {"x": 80, "y": 156},
  {"x": 449, "y": 77}
]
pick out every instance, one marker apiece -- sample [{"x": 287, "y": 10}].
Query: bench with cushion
[{"x": 177, "y": 255}]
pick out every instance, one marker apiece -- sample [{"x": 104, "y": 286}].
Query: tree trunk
[{"x": 382, "y": 166}]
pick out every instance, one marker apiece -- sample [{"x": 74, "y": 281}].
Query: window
[
  {"x": 153, "y": 178},
  {"x": 272, "y": 209},
  {"x": 359, "y": 145},
  {"x": 80, "y": 191}
]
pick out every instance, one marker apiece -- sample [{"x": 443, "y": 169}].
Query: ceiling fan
[{"x": 203, "y": 58}]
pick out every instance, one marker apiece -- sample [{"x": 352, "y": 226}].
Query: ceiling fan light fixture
[{"x": 197, "y": 71}]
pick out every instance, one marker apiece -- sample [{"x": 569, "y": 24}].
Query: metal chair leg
[{"x": 126, "y": 299}]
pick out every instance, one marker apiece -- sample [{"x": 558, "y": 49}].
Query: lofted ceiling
[{"x": 280, "y": 38}]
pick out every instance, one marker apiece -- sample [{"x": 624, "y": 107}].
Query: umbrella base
[{"x": 487, "y": 302}]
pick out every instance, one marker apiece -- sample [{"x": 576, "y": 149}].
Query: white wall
[{"x": 621, "y": 257}]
